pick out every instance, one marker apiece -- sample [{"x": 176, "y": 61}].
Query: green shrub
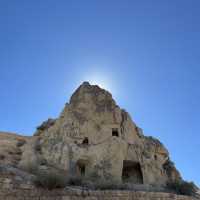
[
  {"x": 98, "y": 184},
  {"x": 109, "y": 185},
  {"x": 20, "y": 143},
  {"x": 2, "y": 157},
  {"x": 30, "y": 167},
  {"x": 49, "y": 180},
  {"x": 75, "y": 180},
  {"x": 182, "y": 187}
]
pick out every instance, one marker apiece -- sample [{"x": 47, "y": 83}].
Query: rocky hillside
[
  {"x": 11, "y": 148},
  {"x": 92, "y": 138}
]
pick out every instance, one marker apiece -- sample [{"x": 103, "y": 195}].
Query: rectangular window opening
[{"x": 115, "y": 132}]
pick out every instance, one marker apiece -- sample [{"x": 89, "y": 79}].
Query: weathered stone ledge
[{"x": 76, "y": 194}]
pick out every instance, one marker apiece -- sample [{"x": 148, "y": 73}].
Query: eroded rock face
[
  {"x": 11, "y": 148},
  {"x": 94, "y": 137}
]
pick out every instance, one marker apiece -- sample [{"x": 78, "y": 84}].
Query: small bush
[
  {"x": 75, "y": 180},
  {"x": 182, "y": 187},
  {"x": 49, "y": 180},
  {"x": 98, "y": 184},
  {"x": 2, "y": 157},
  {"x": 109, "y": 185},
  {"x": 46, "y": 124},
  {"x": 20, "y": 143},
  {"x": 30, "y": 167}
]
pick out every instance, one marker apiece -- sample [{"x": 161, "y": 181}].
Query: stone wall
[
  {"x": 25, "y": 194},
  {"x": 15, "y": 190}
]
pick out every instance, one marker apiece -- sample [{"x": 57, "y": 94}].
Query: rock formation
[
  {"x": 94, "y": 137},
  {"x": 11, "y": 148}
]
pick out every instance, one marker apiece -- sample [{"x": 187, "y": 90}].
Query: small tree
[
  {"x": 49, "y": 180},
  {"x": 183, "y": 188}
]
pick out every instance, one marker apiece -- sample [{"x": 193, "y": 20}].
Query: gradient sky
[{"x": 147, "y": 53}]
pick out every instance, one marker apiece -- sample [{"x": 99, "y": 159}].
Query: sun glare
[
  {"x": 101, "y": 84},
  {"x": 101, "y": 81}
]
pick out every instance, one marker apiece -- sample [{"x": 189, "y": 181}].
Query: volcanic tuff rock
[
  {"x": 11, "y": 148},
  {"x": 94, "y": 137}
]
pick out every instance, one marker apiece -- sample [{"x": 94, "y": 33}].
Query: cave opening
[
  {"x": 132, "y": 172},
  {"x": 81, "y": 167},
  {"x": 115, "y": 132},
  {"x": 85, "y": 141}
]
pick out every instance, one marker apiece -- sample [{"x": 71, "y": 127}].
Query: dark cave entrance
[
  {"x": 81, "y": 167},
  {"x": 82, "y": 170},
  {"x": 132, "y": 172},
  {"x": 115, "y": 132},
  {"x": 85, "y": 141}
]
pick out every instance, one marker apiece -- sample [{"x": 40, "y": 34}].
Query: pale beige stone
[
  {"x": 92, "y": 137},
  {"x": 93, "y": 116}
]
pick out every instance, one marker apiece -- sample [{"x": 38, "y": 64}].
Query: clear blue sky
[{"x": 146, "y": 52}]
